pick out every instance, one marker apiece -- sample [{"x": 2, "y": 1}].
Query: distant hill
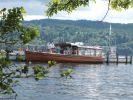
[{"x": 89, "y": 32}]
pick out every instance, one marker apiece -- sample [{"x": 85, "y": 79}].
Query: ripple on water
[{"x": 91, "y": 82}]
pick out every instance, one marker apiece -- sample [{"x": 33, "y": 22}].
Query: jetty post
[
  {"x": 107, "y": 59},
  {"x": 117, "y": 58},
  {"x": 126, "y": 59},
  {"x": 130, "y": 59}
]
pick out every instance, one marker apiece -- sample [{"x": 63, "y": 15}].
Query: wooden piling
[
  {"x": 130, "y": 59},
  {"x": 117, "y": 58},
  {"x": 126, "y": 59},
  {"x": 107, "y": 61}
]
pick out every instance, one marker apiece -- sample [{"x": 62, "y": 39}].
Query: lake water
[{"x": 90, "y": 82}]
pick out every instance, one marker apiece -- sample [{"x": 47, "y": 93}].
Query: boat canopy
[
  {"x": 65, "y": 44},
  {"x": 68, "y": 44}
]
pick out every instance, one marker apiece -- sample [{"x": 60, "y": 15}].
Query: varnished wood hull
[{"x": 45, "y": 57}]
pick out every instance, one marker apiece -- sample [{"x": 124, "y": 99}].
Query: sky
[{"x": 95, "y": 11}]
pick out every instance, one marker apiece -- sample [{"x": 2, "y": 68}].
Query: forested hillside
[{"x": 89, "y": 32}]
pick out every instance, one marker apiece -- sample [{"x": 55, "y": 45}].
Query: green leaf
[
  {"x": 66, "y": 74},
  {"x": 10, "y": 80},
  {"x": 25, "y": 69},
  {"x": 39, "y": 76},
  {"x": 3, "y": 10},
  {"x": 51, "y": 63},
  {"x": 69, "y": 70},
  {"x": 39, "y": 72}
]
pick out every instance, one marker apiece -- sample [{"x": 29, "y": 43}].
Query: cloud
[
  {"x": 120, "y": 17},
  {"x": 35, "y": 10},
  {"x": 33, "y": 7},
  {"x": 34, "y": 17}
]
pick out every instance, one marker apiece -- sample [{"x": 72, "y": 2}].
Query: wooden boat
[{"x": 65, "y": 58}]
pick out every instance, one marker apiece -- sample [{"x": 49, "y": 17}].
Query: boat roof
[
  {"x": 65, "y": 44},
  {"x": 69, "y": 44},
  {"x": 91, "y": 47}
]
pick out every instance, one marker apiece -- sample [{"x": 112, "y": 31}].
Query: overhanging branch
[{"x": 106, "y": 11}]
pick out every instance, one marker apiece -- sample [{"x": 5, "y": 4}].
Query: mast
[
  {"x": 110, "y": 30},
  {"x": 109, "y": 38}
]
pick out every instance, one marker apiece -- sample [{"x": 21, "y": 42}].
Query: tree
[
  {"x": 11, "y": 28},
  {"x": 12, "y": 31},
  {"x": 69, "y": 5}
]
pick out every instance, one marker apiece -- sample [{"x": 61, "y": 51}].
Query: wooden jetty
[{"x": 118, "y": 59}]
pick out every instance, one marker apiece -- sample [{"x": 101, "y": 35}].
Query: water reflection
[{"x": 91, "y": 82}]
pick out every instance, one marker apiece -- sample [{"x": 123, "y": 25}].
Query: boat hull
[{"x": 45, "y": 57}]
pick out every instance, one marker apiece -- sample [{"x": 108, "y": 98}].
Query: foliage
[
  {"x": 9, "y": 72},
  {"x": 64, "y": 5},
  {"x": 69, "y": 5},
  {"x": 12, "y": 31},
  {"x": 66, "y": 74},
  {"x": 51, "y": 63},
  {"x": 6, "y": 74},
  {"x": 29, "y": 33},
  {"x": 39, "y": 72},
  {"x": 25, "y": 69},
  {"x": 88, "y": 32},
  {"x": 121, "y": 4},
  {"x": 11, "y": 20}
]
